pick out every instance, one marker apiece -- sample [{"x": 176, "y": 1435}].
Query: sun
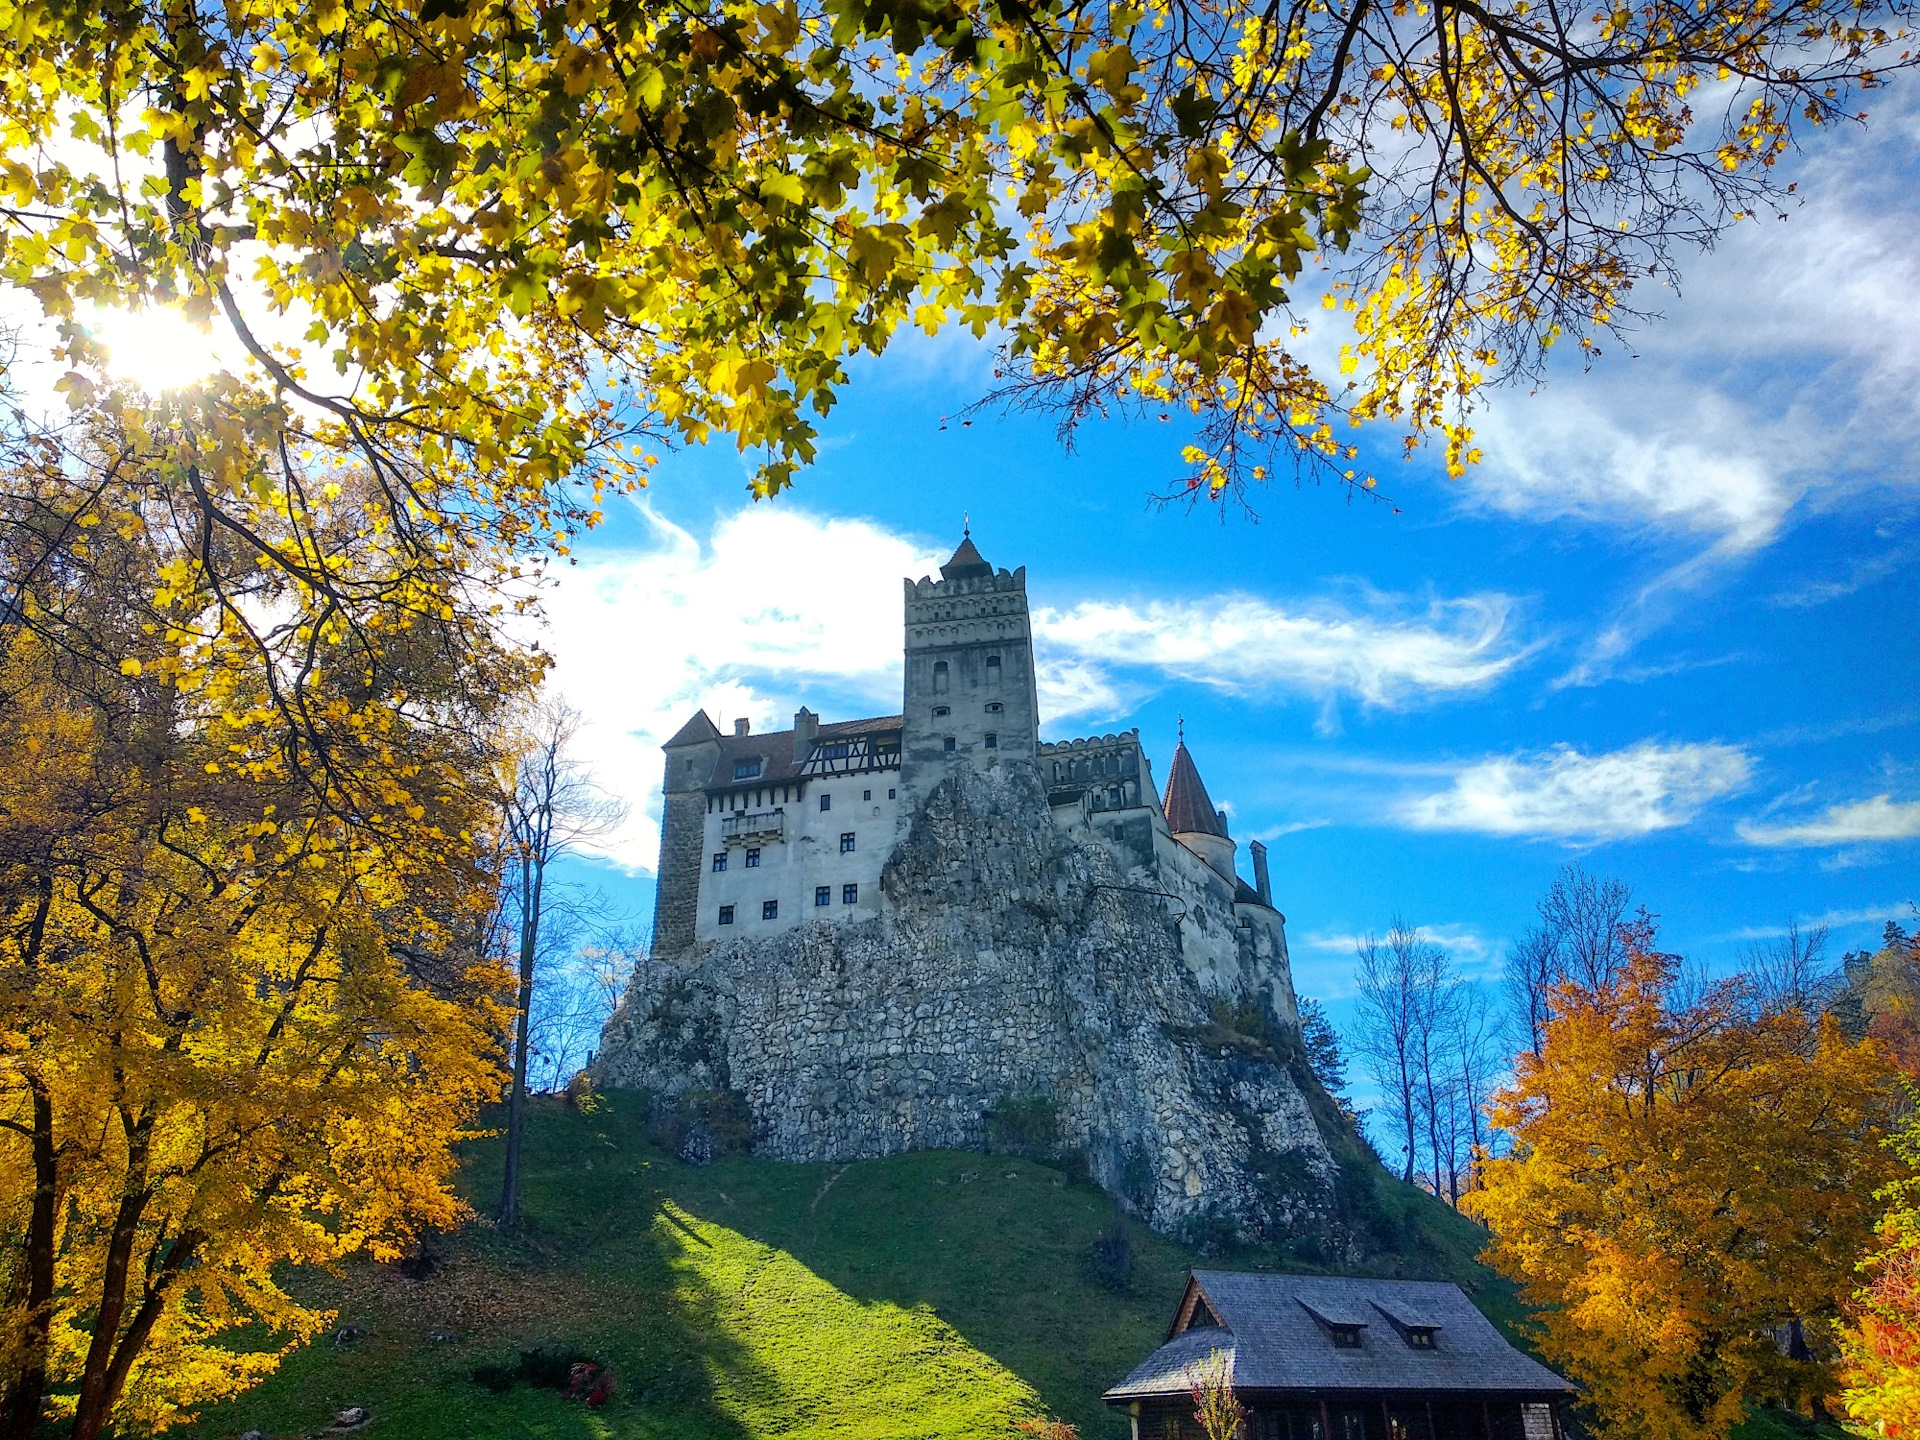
[{"x": 157, "y": 349}]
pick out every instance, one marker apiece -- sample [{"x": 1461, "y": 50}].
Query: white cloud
[
  {"x": 1242, "y": 644},
  {"x": 1784, "y": 375},
  {"x": 1833, "y": 920},
  {"x": 1564, "y": 794},
  {"x": 778, "y": 607},
  {"x": 1881, "y": 818},
  {"x": 781, "y": 607}
]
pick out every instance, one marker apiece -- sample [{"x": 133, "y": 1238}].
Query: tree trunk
[
  {"x": 29, "y": 1386},
  {"x": 96, "y": 1401},
  {"x": 517, "y": 1097}
]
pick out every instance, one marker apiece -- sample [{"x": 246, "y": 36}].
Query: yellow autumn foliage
[
  {"x": 240, "y": 1023},
  {"x": 1689, "y": 1173}
]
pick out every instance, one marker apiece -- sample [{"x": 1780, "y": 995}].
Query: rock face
[{"x": 1092, "y": 986}]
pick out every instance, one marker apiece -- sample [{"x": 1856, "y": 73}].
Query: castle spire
[
  {"x": 967, "y": 562},
  {"x": 1188, "y": 807}
]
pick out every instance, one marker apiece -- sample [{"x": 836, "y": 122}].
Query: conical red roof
[
  {"x": 966, "y": 564},
  {"x": 1187, "y": 804}
]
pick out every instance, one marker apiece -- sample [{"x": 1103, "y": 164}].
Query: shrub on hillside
[
  {"x": 699, "y": 1126},
  {"x": 1026, "y": 1125},
  {"x": 1112, "y": 1258}
]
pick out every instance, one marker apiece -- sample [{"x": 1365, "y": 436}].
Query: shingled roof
[
  {"x": 1269, "y": 1331},
  {"x": 1187, "y": 805},
  {"x": 774, "y": 750},
  {"x": 967, "y": 562}
]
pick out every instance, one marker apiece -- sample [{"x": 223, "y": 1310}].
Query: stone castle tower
[{"x": 877, "y": 931}]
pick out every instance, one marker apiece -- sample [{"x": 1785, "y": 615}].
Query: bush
[
  {"x": 1112, "y": 1259},
  {"x": 1026, "y": 1125},
  {"x": 699, "y": 1126},
  {"x": 541, "y": 1368}
]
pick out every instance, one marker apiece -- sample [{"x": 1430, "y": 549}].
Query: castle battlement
[{"x": 763, "y": 833}]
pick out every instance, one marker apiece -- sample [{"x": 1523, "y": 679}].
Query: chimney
[
  {"x": 806, "y": 729},
  {"x": 1260, "y": 880},
  {"x": 1223, "y": 823},
  {"x": 742, "y": 726}
]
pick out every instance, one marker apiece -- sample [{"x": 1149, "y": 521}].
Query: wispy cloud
[
  {"x": 1833, "y": 920},
  {"x": 778, "y": 606},
  {"x": 1860, "y": 574},
  {"x": 1563, "y": 794},
  {"x": 1881, "y": 818},
  {"x": 1389, "y": 653}
]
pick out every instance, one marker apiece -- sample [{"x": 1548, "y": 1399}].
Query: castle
[
  {"x": 762, "y": 833},
  {"x": 890, "y": 934}
]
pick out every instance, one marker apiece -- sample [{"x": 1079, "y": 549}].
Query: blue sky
[{"x": 1666, "y": 629}]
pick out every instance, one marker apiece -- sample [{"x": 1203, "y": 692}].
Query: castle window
[
  {"x": 745, "y": 769},
  {"x": 939, "y": 677},
  {"x": 753, "y": 859},
  {"x": 769, "y": 909},
  {"x": 822, "y": 895},
  {"x": 1345, "y": 1337},
  {"x": 846, "y": 843},
  {"x": 726, "y": 914},
  {"x": 949, "y": 743},
  {"x": 995, "y": 708},
  {"x": 719, "y": 862},
  {"x": 849, "y": 894},
  {"x": 993, "y": 741},
  {"x": 826, "y": 802},
  {"x": 889, "y": 794},
  {"x": 866, "y": 795},
  {"x": 940, "y": 712},
  {"x": 1113, "y": 797},
  {"x": 993, "y": 669}
]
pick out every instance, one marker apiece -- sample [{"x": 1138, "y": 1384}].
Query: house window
[
  {"x": 719, "y": 862},
  {"x": 822, "y": 895},
  {"x": 753, "y": 859},
  {"x": 993, "y": 741},
  {"x": 849, "y": 894},
  {"x": 995, "y": 708},
  {"x": 726, "y": 914},
  {"x": 948, "y": 744},
  {"x": 846, "y": 843},
  {"x": 940, "y": 712},
  {"x": 769, "y": 909},
  {"x": 826, "y": 802},
  {"x": 866, "y": 795},
  {"x": 939, "y": 677},
  {"x": 745, "y": 769}
]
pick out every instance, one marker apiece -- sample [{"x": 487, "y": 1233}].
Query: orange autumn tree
[
  {"x": 238, "y": 1024},
  {"x": 1881, "y": 1349},
  {"x": 1689, "y": 1172}
]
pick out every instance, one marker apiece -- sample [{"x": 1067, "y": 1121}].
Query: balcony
[{"x": 753, "y": 827}]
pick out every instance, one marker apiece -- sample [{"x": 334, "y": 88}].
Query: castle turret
[
  {"x": 1192, "y": 818},
  {"x": 969, "y": 690},
  {"x": 691, "y": 756}
]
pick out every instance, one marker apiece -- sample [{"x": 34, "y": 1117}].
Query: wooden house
[{"x": 1322, "y": 1357}]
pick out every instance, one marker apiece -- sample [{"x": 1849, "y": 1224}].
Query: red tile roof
[{"x": 1187, "y": 805}]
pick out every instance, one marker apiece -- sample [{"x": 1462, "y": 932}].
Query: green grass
[{"x": 932, "y": 1294}]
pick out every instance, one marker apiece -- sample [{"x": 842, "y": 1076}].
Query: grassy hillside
[{"x": 934, "y": 1294}]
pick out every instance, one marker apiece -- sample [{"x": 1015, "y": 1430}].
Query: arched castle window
[
  {"x": 993, "y": 669},
  {"x": 939, "y": 677}
]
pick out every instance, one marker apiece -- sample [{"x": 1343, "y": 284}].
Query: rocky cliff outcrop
[{"x": 1097, "y": 980}]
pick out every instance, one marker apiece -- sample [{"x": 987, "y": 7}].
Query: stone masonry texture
[{"x": 1015, "y": 959}]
